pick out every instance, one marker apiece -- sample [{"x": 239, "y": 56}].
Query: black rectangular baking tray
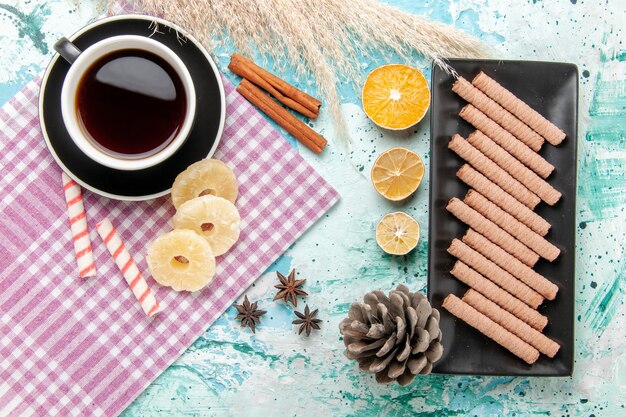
[{"x": 551, "y": 88}]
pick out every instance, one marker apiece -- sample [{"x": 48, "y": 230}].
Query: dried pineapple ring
[
  {"x": 206, "y": 177},
  {"x": 214, "y": 218},
  {"x": 182, "y": 260}
]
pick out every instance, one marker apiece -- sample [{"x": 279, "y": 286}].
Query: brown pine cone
[{"x": 395, "y": 337}]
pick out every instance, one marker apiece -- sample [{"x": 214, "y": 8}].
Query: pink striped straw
[
  {"x": 78, "y": 225},
  {"x": 126, "y": 264}
]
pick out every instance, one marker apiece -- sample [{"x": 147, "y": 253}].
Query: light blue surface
[{"x": 229, "y": 371}]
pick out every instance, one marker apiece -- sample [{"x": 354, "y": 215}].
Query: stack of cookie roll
[
  {"x": 521, "y": 110},
  {"x": 505, "y": 238},
  {"x": 514, "y": 167},
  {"x": 492, "y": 171},
  {"x": 495, "y": 274},
  {"x": 502, "y": 199},
  {"x": 490, "y": 328},
  {"x": 507, "y": 141},
  {"x": 499, "y": 115}
]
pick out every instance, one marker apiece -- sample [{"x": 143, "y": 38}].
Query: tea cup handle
[{"x": 67, "y": 50}]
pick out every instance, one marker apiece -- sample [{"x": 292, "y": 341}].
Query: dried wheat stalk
[{"x": 325, "y": 38}]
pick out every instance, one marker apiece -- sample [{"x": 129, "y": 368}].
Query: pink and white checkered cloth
[{"x": 83, "y": 347}]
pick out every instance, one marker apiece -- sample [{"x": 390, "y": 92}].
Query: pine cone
[{"x": 395, "y": 337}]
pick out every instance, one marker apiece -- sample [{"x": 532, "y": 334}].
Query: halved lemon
[
  {"x": 397, "y": 233},
  {"x": 397, "y": 173},
  {"x": 396, "y": 96}
]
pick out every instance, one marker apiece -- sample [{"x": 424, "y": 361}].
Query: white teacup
[{"x": 81, "y": 61}]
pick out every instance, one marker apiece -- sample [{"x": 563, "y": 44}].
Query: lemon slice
[
  {"x": 214, "y": 218},
  {"x": 181, "y": 259},
  {"x": 396, "y": 96},
  {"x": 397, "y": 173},
  {"x": 397, "y": 233},
  {"x": 206, "y": 177}
]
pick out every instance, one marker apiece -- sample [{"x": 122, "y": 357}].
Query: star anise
[
  {"x": 249, "y": 314},
  {"x": 307, "y": 321},
  {"x": 289, "y": 288}
]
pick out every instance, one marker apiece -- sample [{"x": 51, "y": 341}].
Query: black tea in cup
[{"x": 131, "y": 103}]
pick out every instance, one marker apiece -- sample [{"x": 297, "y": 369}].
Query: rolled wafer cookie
[
  {"x": 78, "y": 226},
  {"x": 491, "y": 231},
  {"x": 474, "y": 280},
  {"x": 538, "y": 340},
  {"x": 519, "y": 171},
  {"x": 510, "y": 264},
  {"x": 497, "y": 113},
  {"x": 483, "y": 185},
  {"x": 521, "y": 110},
  {"x": 509, "y": 142},
  {"x": 496, "y": 274},
  {"x": 492, "y": 171},
  {"x": 491, "y": 329},
  {"x": 128, "y": 267},
  {"x": 532, "y": 240}
]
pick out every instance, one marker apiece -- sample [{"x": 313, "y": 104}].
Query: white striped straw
[
  {"x": 78, "y": 224},
  {"x": 126, "y": 264}
]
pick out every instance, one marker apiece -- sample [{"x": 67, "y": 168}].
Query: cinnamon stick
[
  {"x": 310, "y": 138},
  {"x": 284, "y": 92}
]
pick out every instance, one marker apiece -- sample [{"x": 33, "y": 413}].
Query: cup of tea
[{"x": 128, "y": 102}]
